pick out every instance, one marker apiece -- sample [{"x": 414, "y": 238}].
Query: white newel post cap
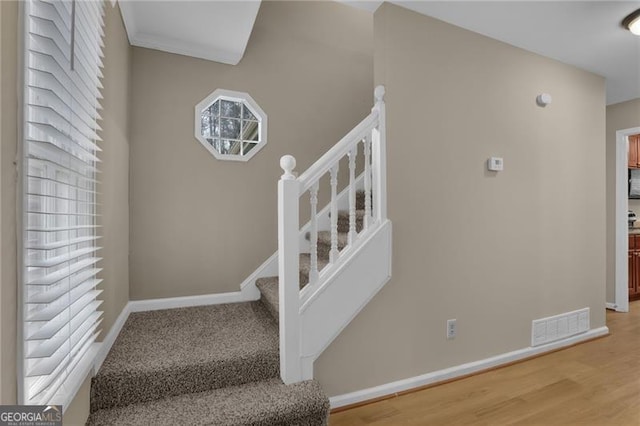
[
  {"x": 288, "y": 163},
  {"x": 379, "y": 93}
]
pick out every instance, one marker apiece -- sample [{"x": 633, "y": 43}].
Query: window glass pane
[
  {"x": 229, "y": 147},
  {"x": 205, "y": 122},
  {"x": 225, "y": 146},
  {"x": 214, "y": 109},
  {"x": 247, "y": 146},
  {"x": 250, "y": 130},
  {"x": 247, "y": 114},
  {"x": 231, "y": 109},
  {"x": 230, "y": 128},
  {"x": 210, "y": 126}
]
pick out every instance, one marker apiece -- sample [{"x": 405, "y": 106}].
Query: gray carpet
[
  {"x": 266, "y": 403},
  {"x": 176, "y": 351},
  {"x": 210, "y": 365}
]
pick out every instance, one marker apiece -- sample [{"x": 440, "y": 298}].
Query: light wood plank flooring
[{"x": 595, "y": 383}]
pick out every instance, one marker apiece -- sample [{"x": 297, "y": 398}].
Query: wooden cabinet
[
  {"x": 634, "y": 152},
  {"x": 634, "y": 267}
]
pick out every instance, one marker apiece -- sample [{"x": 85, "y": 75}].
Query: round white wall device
[{"x": 544, "y": 99}]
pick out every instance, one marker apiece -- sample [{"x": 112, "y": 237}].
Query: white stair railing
[{"x": 371, "y": 133}]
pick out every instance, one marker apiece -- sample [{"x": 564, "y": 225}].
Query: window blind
[{"x": 63, "y": 43}]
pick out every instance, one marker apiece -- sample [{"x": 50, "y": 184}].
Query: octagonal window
[{"x": 231, "y": 125}]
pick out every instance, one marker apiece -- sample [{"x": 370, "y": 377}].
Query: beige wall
[
  {"x": 8, "y": 147},
  {"x": 77, "y": 413},
  {"x": 1, "y": 134},
  {"x": 200, "y": 225},
  {"x": 114, "y": 176},
  {"x": 625, "y": 115},
  {"x": 494, "y": 251},
  {"x": 114, "y": 190}
]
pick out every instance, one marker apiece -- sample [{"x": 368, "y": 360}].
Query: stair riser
[
  {"x": 271, "y": 308},
  {"x": 266, "y": 403}
]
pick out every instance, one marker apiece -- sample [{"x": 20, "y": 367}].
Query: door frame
[{"x": 621, "y": 301}]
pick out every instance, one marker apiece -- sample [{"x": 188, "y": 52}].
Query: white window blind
[{"x": 63, "y": 43}]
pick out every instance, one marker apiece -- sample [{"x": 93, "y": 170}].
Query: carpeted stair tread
[
  {"x": 305, "y": 267},
  {"x": 265, "y": 403},
  {"x": 343, "y": 220},
  {"x": 324, "y": 242},
  {"x": 360, "y": 199},
  {"x": 269, "y": 286},
  {"x": 176, "y": 351}
]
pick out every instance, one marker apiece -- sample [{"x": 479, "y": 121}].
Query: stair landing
[
  {"x": 206, "y": 365},
  {"x": 176, "y": 351}
]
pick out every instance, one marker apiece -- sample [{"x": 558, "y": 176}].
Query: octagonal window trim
[{"x": 230, "y": 125}]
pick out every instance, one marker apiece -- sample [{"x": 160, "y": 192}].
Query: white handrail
[
  {"x": 371, "y": 131},
  {"x": 339, "y": 150}
]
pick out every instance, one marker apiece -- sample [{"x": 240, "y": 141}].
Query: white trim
[
  {"x": 371, "y": 267},
  {"x": 110, "y": 338},
  {"x": 621, "y": 227},
  {"x": 77, "y": 377},
  {"x": 390, "y": 389},
  {"x": 127, "y": 14},
  {"x": 188, "y": 301},
  {"x": 268, "y": 268},
  {"x": 310, "y": 293},
  {"x": 179, "y": 47},
  {"x": 611, "y": 306}
]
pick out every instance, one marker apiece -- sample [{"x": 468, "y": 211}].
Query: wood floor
[{"x": 595, "y": 383}]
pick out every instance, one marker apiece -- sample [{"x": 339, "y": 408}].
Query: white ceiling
[
  {"x": 214, "y": 30},
  {"x": 586, "y": 34}
]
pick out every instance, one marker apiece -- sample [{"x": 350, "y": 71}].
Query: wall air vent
[{"x": 558, "y": 327}]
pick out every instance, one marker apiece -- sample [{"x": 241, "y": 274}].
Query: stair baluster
[
  {"x": 313, "y": 264},
  {"x": 333, "y": 254},
  {"x": 367, "y": 182},
  {"x": 352, "y": 195}
]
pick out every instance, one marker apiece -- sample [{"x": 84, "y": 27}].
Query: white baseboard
[
  {"x": 268, "y": 268},
  {"x": 188, "y": 301},
  {"x": 611, "y": 306},
  {"x": 110, "y": 338},
  {"x": 390, "y": 389}
]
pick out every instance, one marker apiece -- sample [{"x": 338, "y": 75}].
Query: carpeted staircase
[
  {"x": 269, "y": 286},
  {"x": 210, "y": 365}
]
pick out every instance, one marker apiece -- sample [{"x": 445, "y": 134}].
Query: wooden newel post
[
  {"x": 379, "y": 158},
  {"x": 288, "y": 259}
]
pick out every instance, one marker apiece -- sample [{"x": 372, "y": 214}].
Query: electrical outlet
[{"x": 451, "y": 329}]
